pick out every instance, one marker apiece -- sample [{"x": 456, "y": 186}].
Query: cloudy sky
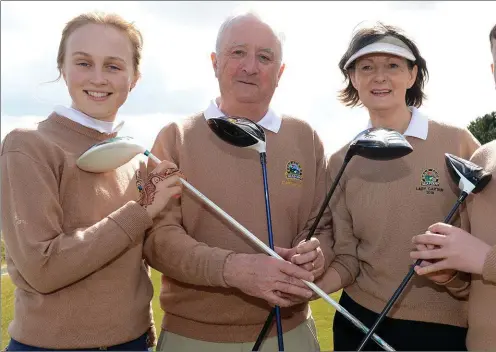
[{"x": 179, "y": 36}]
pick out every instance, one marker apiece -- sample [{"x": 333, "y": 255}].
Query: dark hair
[
  {"x": 492, "y": 35},
  {"x": 367, "y": 36}
]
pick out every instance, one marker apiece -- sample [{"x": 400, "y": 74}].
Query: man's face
[
  {"x": 248, "y": 65},
  {"x": 493, "y": 65}
]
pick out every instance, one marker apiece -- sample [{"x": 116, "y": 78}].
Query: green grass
[
  {"x": 322, "y": 312},
  {"x": 7, "y": 307},
  {"x": 2, "y": 252}
]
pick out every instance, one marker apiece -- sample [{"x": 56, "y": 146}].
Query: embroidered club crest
[
  {"x": 429, "y": 182},
  {"x": 429, "y": 178},
  {"x": 294, "y": 171}
]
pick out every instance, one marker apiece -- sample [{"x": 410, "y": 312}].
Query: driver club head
[
  {"x": 239, "y": 132},
  {"x": 379, "y": 144},
  {"x": 109, "y": 154},
  {"x": 471, "y": 178}
]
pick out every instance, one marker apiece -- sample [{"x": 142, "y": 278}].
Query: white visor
[{"x": 387, "y": 45}]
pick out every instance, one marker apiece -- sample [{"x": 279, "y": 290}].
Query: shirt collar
[
  {"x": 271, "y": 121},
  {"x": 418, "y": 126},
  {"x": 88, "y": 121}
]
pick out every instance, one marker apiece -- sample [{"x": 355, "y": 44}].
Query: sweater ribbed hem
[
  {"x": 227, "y": 333},
  {"x": 451, "y": 314}
]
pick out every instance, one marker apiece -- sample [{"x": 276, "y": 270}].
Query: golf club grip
[
  {"x": 407, "y": 278},
  {"x": 326, "y": 201},
  {"x": 153, "y": 157},
  {"x": 311, "y": 232},
  {"x": 270, "y": 252}
]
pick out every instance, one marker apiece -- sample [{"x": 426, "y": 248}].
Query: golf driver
[
  {"x": 244, "y": 133},
  {"x": 377, "y": 144},
  {"x": 470, "y": 178},
  {"x": 373, "y": 143},
  {"x": 92, "y": 161}
]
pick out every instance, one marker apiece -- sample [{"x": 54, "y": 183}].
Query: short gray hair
[{"x": 229, "y": 21}]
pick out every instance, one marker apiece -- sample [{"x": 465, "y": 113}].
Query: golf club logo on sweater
[
  {"x": 429, "y": 182},
  {"x": 294, "y": 173}
]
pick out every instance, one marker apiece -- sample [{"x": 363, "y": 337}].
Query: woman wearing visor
[{"x": 380, "y": 205}]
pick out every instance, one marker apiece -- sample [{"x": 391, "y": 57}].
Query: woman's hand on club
[
  {"x": 439, "y": 277},
  {"x": 307, "y": 255},
  {"x": 161, "y": 186},
  {"x": 262, "y": 276},
  {"x": 454, "y": 249}
]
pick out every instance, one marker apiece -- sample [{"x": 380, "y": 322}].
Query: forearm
[
  {"x": 346, "y": 262},
  {"x": 64, "y": 258},
  {"x": 48, "y": 256},
  {"x": 489, "y": 268},
  {"x": 171, "y": 251},
  {"x": 458, "y": 285},
  {"x": 330, "y": 282},
  {"x": 323, "y": 230}
]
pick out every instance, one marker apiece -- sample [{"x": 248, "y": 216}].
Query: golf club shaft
[
  {"x": 263, "y": 161},
  {"x": 311, "y": 232},
  {"x": 405, "y": 281},
  {"x": 264, "y": 330},
  {"x": 326, "y": 201},
  {"x": 271, "y": 252}
]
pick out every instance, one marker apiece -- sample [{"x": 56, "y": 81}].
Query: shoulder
[
  {"x": 485, "y": 155},
  {"x": 301, "y": 127},
  {"x": 449, "y": 130},
  {"x": 445, "y": 127},
  {"x": 296, "y": 122},
  {"x": 338, "y": 155},
  {"x": 29, "y": 140},
  {"x": 182, "y": 125}
]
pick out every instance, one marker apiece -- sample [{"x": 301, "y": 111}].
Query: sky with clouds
[{"x": 178, "y": 80}]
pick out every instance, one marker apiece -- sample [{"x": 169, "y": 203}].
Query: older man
[{"x": 217, "y": 288}]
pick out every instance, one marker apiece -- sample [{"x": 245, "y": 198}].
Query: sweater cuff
[
  {"x": 346, "y": 278},
  {"x": 133, "y": 219},
  {"x": 489, "y": 268},
  {"x": 457, "y": 281},
  {"x": 216, "y": 268}
]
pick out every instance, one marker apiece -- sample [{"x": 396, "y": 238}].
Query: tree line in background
[{"x": 484, "y": 128}]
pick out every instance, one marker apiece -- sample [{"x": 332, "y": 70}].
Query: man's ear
[{"x": 213, "y": 57}]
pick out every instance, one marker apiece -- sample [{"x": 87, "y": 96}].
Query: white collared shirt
[
  {"x": 271, "y": 121},
  {"x": 88, "y": 121},
  {"x": 418, "y": 126}
]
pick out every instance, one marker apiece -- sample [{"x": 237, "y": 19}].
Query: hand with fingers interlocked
[
  {"x": 268, "y": 278},
  {"x": 307, "y": 255},
  {"x": 448, "y": 248}
]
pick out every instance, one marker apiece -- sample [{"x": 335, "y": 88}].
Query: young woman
[
  {"x": 74, "y": 239},
  {"x": 381, "y": 204},
  {"x": 445, "y": 247}
]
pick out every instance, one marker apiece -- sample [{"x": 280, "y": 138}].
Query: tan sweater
[
  {"x": 381, "y": 205},
  {"x": 482, "y": 304},
  {"x": 191, "y": 244},
  {"x": 74, "y": 241}
]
